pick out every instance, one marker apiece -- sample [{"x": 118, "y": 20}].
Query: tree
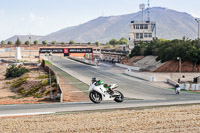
[
  {"x": 10, "y": 43},
  {"x": 97, "y": 43},
  {"x": 113, "y": 42},
  {"x": 44, "y": 42},
  {"x": 71, "y": 42},
  {"x": 123, "y": 41},
  {"x": 53, "y": 42},
  {"x": 27, "y": 43},
  {"x": 89, "y": 43},
  {"x": 35, "y": 42},
  {"x": 63, "y": 43},
  {"x": 2, "y": 42},
  {"x": 18, "y": 42}
]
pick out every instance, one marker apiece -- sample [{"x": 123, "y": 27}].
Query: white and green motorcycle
[{"x": 98, "y": 91}]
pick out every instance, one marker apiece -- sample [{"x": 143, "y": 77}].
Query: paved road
[
  {"x": 131, "y": 87},
  {"x": 31, "y": 109}
]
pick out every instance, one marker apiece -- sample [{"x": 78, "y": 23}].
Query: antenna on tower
[{"x": 149, "y": 10}]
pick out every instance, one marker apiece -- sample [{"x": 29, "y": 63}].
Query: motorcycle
[
  {"x": 177, "y": 89},
  {"x": 98, "y": 92}
]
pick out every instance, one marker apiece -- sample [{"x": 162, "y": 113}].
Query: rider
[{"x": 99, "y": 82}]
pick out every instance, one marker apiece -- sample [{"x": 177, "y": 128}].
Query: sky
[{"x": 42, "y": 17}]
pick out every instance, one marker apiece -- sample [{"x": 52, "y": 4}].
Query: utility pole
[{"x": 198, "y": 21}]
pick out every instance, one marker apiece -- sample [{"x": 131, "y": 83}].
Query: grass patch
[
  {"x": 77, "y": 83},
  {"x": 19, "y": 82},
  {"x": 47, "y": 62},
  {"x": 8, "y": 82},
  {"x": 15, "y": 97},
  {"x": 34, "y": 91},
  {"x": 42, "y": 76}
]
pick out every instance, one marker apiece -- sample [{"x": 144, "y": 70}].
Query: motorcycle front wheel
[
  {"x": 95, "y": 97},
  {"x": 120, "y": 97}
]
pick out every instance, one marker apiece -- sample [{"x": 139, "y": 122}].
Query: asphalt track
[{"x": 132, "y": 89}]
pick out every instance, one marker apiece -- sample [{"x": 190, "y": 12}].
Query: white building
[{"x": 141, "y": 31}]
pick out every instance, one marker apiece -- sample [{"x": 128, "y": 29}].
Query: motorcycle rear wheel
[
  {"x": 95, "y": 97},
  {"x": 119, "y": 98}
]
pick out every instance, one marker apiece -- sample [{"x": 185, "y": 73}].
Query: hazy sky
[{"x": 41, "y": 17}]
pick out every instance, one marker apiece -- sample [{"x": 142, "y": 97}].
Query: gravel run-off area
[{"x": 181, "y": 119}]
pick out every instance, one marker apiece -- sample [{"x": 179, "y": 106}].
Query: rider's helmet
[{"x": 94, "y": 80}]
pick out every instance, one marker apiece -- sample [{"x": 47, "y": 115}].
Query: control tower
[{"x": 142, "y": 30}]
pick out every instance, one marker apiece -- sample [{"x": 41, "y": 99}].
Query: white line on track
[
  {"x": 25, "y": 114},
  {"x": 104, "y": 75}
]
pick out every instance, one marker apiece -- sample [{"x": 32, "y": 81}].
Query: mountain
[
  {"x": 23, "y": 38},
  {"x": 171, "y": 24}
]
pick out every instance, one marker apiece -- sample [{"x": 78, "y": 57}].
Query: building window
[
  {"x": 141, "y": 26},
  {"x": 137, "y": 26},
  {"x": 141, "y": 35},
  {"x": 147, "y": 35},
  {"x": 145, "y": 26},
  {"x": 137, "y": 36},
  {"x": 150, "y": 35}
]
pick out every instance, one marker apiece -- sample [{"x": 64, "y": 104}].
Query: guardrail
[
  {"x": 141, "y": 76},
  {"x": 128, "y": 67}
]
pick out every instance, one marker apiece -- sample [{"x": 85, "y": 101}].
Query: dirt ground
[
  {"x": 71, "y": 93},
  {"x": 7, "y": 96},
  {"x": 177, "y": 119}
]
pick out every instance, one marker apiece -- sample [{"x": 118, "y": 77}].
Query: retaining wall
[
  {"x": 141, "y": 76},
  {"x": 47, "y": 68},
  {"x": 89, "y": 62},
  {"x": 128, "y": 67},
  {"x": 185, "y": 86}
]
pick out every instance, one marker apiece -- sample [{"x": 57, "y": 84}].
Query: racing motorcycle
[
  {"x": 99, "y": 92},
  {"x": 177, "y": 89}
]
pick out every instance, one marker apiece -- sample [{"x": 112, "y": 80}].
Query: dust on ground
[
  {"x": 182, "y": 119},
  {"x": 8, "y": 96}
]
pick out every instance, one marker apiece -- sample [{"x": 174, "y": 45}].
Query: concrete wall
[
  {"x": 89, "y": 62},
  {"x": 128, "y": 67},
  {"x": 141, "y": 76},
  {"x": 184, "y": 86}
]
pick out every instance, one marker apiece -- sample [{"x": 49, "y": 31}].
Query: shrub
[
  {"x": 15, "y": 71},
  {"x": 34, "y": 91},
  {"x": 19, "y": 82},
  {"x": 43, "y": 76},
  {"x": 46, "y": 92},
  {"x": 37, "y": 95},
  {"x": 21, "y": 90}
]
